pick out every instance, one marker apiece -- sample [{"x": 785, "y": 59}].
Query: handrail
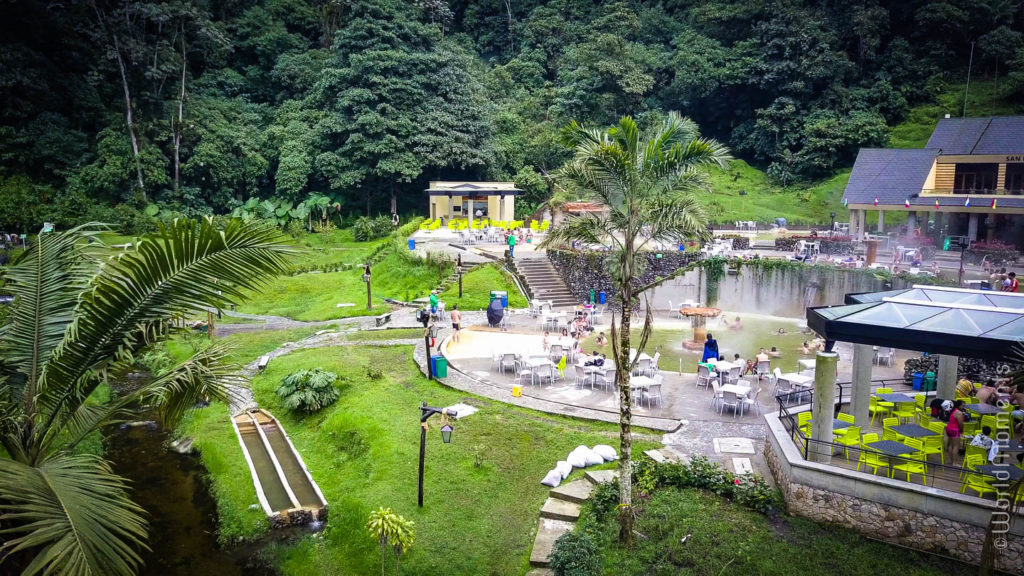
[{"x": 971, "y": 192}]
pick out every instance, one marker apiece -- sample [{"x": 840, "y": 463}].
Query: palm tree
[
  {"x": 74, "y": 325},
  {"x": 648, "y": 188}
]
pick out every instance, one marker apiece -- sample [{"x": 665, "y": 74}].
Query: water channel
[{"x": 174, "y": 491}]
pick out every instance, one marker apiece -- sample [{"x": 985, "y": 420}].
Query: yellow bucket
[{"x": 517, "y": 390}]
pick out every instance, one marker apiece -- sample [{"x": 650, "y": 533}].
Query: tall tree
[
  {"x": 73, "y": 327},
  {"x": 649, "y": 188}
]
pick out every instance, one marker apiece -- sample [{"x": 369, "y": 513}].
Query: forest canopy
[{"x": 115, "y": 110}]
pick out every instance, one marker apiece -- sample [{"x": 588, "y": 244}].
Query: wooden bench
[
  {"x": 382, "y": 319},
  {"x": 261, "y": 364}
]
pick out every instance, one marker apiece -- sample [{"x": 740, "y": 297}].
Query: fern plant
[{"x": 309, "y": 390}]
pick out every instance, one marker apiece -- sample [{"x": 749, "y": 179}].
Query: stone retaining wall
[
  {"x": 840, "y": 498},
  {"x": 972, "y": 368},
  {"x": 586, "y": 271}
]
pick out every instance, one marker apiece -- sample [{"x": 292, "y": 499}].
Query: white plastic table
[{"x": 806, "y": 365}]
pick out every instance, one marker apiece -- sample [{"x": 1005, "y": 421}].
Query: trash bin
[
  {"x": 517, "y": 390},
  {"x": 945, "y": 244},
  {"x": 601, "y": 297},
  {"x": 591, "y": 295},
  {"x": 929, "y": 382},
  {"x": 986, "y": 285},
  {"x": 500, "y": 295},
  {"x": 412, "y": 243},
  {"x": 439, "y": 364},
  {"x": 918, "y": 379}
]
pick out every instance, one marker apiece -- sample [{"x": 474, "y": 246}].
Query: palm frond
[
  {"x": 45, "y": 282},
  {"x": 187, "y": 267},
  {"x": 76, "y": 514}
]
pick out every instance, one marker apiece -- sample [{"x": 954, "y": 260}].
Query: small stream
[{"x": 173, "y": 490}]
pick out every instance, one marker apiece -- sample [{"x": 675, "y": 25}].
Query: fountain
[{"x": 698, "y": 316}]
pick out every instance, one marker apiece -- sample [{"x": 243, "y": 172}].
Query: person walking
[
  {"x": 710, "y": 349},
  {"x": 511, "y": 245},
  {"x": 456, "y": 322}
]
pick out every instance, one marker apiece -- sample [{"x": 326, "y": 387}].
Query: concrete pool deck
[{"x": 689, "y": 423}]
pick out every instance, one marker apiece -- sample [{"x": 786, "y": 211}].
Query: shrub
[
  {"x": 308, "y": 390},
  {"x": 391, "y": 531},
  {"x": 749, "y": 490},
  {"x": 367, "y": 228},
  {"x": 575, "y": 554}
]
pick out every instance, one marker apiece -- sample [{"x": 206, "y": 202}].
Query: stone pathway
[{"x": 561, "y": 510}]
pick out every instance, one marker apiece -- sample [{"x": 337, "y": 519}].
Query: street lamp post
[
  {"x": 832, "y": 224},
  {"x": 446, "y": 436},
  {"x": 458, "y": 270},
  {"x": 366, "y": 278},
  {"x": 963, "y": 248}
]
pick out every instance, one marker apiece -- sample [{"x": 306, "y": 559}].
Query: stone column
[
  {"x": 881, "y": 221},
  {"x": 823, "y": 409},
  {"x": 501, "y": 208},
  {"x": 861, "y": 392},
  {"x": 972, "y": 227},
  {"x": 451, "y": 207},
  {"x": 911, "y": 224},
  {"x": 947, "y": 376},
  {"x": 470, "y": 212}
]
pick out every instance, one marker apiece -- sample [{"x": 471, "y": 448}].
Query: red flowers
[{"x": 736, "y": 481}]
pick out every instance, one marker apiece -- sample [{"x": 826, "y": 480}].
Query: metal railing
[{"x": 972, "y": 191}]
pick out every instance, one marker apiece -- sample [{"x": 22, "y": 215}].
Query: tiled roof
[
  {"x": 891, "y": 175},
  {"x": 583, "y": 207},
  {"x": 996, "y": 135}
]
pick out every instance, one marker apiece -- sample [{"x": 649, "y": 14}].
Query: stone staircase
[
  {"x": 543, "y": 282},
  {"x": 561, "y": 510}
]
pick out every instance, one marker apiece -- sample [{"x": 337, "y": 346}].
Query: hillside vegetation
[{"x": 303, "y": 112}]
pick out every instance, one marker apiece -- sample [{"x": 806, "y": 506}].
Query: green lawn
[
  {"x": 722, "y": 537},
  {"x": 477, "y": 286},
  {"x": 764, "y": 200},
  {"x": 315, "y": 296},
  {"x": 483, "y": 490}
]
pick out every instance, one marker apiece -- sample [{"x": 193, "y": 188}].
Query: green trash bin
[
  {"x": 929, "y": 382},
  {"x": 440, "y": 366}
]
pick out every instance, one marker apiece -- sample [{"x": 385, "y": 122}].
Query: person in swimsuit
[
  {"x": 456, "y": 322},
  {"x": 955, "y": 429}
]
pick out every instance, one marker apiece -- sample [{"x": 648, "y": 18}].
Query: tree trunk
[
  {"x": 179, "y": 125},
  {"x": 622, "y": 365},
  {"x": 394, "y": 199},
  {"x": 128, "y": 114}
]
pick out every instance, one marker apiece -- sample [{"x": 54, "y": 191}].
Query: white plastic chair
[
  {"x": 508, "y": 360},
  {"x": 763, "y": 368},
  {"x": 643, "y": 366},
  {"x": 652, "y": 371},
  {"x": 705, "y": 376},
  {"x": 717, "y": 395},
  {"x": 751, "y": 400}
]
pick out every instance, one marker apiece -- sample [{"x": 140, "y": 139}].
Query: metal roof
[
  {"x": 995, "y": 135},
  {"x": 933, "y": 319},
  {"x": 890, "y": 174},
  {"x": 473, "y": 189}
]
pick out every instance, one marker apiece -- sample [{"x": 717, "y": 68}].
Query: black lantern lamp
[{"x": 446, "y": 433}]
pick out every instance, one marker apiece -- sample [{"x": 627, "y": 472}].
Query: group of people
[
  {"x": 1005, "y": 281},
  {"x": 956, "y": 415},
  {"x": 711, "y": 353}
]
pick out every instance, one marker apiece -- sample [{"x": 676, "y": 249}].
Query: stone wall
[
  {"x": 889, "y": 523},
  {"x": 586, "y": 271},
  {"x": 829, "y": 246},
  {"x": 972, "y": 368}
]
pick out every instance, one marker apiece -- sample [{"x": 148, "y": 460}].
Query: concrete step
[
  {"x": 541, "y": 572},
  {"x": 673, "y": 455},
  {"x": 599, "y": 476},
  {"x": 557, "y": 509},
  {"x": 576, "y": 491},
  {"x": 656, "y": 456},
  {"x": 548, "y": 531}
]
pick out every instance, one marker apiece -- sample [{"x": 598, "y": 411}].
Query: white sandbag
[
  {"x": 607, "y": 452},
  {"x": 553, "y": 479},
  {"x": 564, "y": 468},
  {"x": 592, "y": 457},
  {"x": 576, "y": 459}
]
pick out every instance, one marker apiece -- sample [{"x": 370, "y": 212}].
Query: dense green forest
[{"x": 120, "y": 110}]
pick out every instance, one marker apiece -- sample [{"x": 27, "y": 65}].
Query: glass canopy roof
[{"x": 941, "y": 320}]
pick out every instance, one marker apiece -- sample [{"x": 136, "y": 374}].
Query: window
[
  {"x": 975, "y": 178},
  {"x": 1015, "y": 178}
]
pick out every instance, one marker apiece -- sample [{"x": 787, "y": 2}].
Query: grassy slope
[
  {"x": 725, "y": 538},
  {"x": 476, "y": 289},
  {"x": 804, "y": 203},
  {"x": 362, "y": 451}
]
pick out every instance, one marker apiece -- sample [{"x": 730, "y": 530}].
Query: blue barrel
[
  {"x": 412, "y": 243},
  {"x": 918, "y": 378},
  {"x": 601, "y": 297},
  {"x": 682, "y": 247}
]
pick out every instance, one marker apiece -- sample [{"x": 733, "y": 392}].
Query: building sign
[{"x": 1018, "y": 158}]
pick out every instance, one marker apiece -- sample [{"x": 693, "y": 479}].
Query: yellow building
[
  {"x": 469, "y": 200},
  {"x": 969, "y": 179}
]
